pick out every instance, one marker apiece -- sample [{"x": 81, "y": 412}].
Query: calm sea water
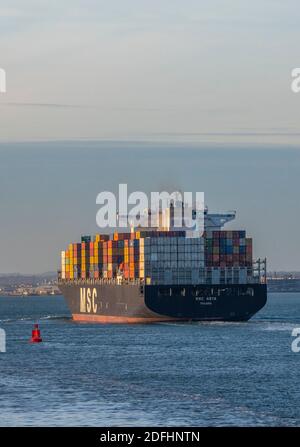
[{"x": 201, "y": 374}]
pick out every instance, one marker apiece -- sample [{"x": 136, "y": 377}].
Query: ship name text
[{"x": 88, "y": 299}]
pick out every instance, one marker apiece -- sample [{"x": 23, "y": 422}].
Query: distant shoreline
[{"x": 30, "y": 296}]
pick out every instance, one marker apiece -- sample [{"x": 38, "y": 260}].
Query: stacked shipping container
[
  {"x": 228, "y": 249},
  {"x": 161, "y": 257}
]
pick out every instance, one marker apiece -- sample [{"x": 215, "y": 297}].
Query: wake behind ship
[{"x": 164, "y": 274}]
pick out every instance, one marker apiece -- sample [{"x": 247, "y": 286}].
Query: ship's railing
[
  {"x": 256, "y": 275},
  {"x": 100, "y": 281}
]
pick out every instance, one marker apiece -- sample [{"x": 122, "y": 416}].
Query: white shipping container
[
  {"x": 242, "y": 276},
  {"x": 195, "y": 275},
  {"x": 216, "y": 276},
  {"x": 154, "y": 257}
]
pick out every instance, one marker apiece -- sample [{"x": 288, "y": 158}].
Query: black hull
[{"x": 111, "y": 303}]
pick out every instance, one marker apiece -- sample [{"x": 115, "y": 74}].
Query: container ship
[{"x": 161, "y": 274}]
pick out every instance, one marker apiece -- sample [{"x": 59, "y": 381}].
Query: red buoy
[{"x": 36, "y": 334}]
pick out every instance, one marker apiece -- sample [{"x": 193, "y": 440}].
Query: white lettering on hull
[{"x": 88, "y": 299}]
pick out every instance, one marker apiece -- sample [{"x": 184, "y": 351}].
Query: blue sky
[
  {"x": 163, "y": 94},
  {"x": 48, "y": 193},
  {"x": 162, "y": 70}
]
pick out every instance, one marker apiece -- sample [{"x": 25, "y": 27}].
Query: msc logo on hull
[{"x": 88, "y": 299}]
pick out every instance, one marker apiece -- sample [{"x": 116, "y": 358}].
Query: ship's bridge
[
  {"x": 217, "y": 221},
  {"x": 168, "y": 219}
]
